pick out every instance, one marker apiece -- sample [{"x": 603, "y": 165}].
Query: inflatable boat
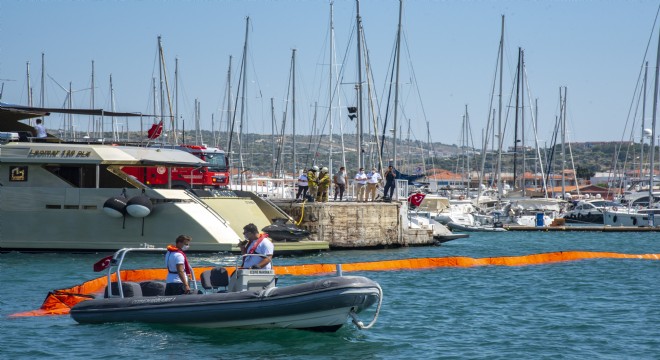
[{"x": 251, "y": 300}]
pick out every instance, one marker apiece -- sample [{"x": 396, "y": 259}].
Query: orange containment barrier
[{"x": 59, "y": 302}]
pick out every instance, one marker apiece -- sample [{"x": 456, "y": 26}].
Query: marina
[
  {"x": 359, "y": 179},
  {"x": 563, "y": 309}
]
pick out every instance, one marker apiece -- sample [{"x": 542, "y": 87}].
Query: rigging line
[
  {"x": 370, "y": 98},
  {"x": 534, "y": 124},
  {"x": 637, "y": 85}
]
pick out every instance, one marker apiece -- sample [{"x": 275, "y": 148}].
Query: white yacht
[
  {"x": 52, "y": 197},
  {"x": 67, "y": 196}
]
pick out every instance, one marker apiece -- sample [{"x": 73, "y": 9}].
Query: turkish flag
[
  {"x": 103, "y": 263},
  {"x": 155, "y": 130},
  {"x": 416, "y": 199}
]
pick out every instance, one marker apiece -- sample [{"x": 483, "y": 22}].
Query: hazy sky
[{"x": 594, "y": 48}]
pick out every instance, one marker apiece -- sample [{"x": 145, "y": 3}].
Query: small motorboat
[
  {"x": 476, "y": 228},
  {"x": 252, "y": 301}
]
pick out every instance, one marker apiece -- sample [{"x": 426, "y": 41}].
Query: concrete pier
[{"x": 357, "y": 225}]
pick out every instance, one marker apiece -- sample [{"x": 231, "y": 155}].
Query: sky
[{"x": 596, "y": 49}]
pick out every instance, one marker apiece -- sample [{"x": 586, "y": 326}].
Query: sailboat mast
[
  {"x": 563, "y": 143},
  {"x": 500, "y": 187},
  {"x": 230, "y": 127},
  {"x": 160, "y": 79},
  {"x": 29, "y": 86},
  {"x": 112, "y": 107},
  {"x": 243, "y": 98},
  {"x": 515, "y": 127},
  {"x": 92, "y": 102},
  {"x": 176, "y": 96},
  {"x": 42, "y": 102},
  {"x": 641, "y": 141},
  {"x": 330, "y": 83},
  {"x": 293, "y": 110},
  {"x": 655, "y": 109},
  {"x": 396, "y": 84},
  {"x": 359, "y": 87},
  {"x": 522, "y": 120},
  {"x": 272, "y": 133}
]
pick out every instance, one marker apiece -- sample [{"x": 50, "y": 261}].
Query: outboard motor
[
  {"x": 115, "y": 206},
  {"x": 139, "y": 206}
]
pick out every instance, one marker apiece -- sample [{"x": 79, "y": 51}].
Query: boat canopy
[{"x": 96, "y": 154}]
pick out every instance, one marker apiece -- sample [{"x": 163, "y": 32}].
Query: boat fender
[
  {"x": 115, "y": 206},
  {"x": 634, "y": 221},
  {"x": 614, "y": 219},
  {"x": 139, "y": 206}
]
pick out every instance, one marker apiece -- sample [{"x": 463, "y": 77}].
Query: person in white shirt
[
  {"x": 40, "y": 130},
  {"x": 361, "y": 183},
  {"x": 340, "y": 183},
  {"x": 303, "y": 186},
  {"x": 178, "y": 269},
  {"x": 373, "y": 179}
]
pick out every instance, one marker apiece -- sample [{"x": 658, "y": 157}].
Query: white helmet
[
  {"x": 315, "y": 168},
  {"x": 325, "y": 169}
]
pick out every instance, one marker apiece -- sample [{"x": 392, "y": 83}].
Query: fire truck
[{"x": 216, "y": 175}]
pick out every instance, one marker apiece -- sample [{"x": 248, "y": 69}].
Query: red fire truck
[{"x": 215, "y": 175}]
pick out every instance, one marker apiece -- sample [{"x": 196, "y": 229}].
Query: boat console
[{"x": 251, "y": 280}]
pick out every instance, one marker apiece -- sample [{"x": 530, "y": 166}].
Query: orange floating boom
[{"x": 59, "y": 302}]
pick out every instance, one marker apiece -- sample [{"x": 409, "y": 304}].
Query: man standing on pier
[{"x": 361, "y": 183}]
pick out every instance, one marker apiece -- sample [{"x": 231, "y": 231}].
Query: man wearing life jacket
[
  {"x": 259, "y": 244},
  {"x": 312, "y": 179},
  {"x": 324, "y": 185},
  {"x": 178, "y": 268}
]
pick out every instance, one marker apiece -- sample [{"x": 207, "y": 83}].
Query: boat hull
[
  {"x": 474, "y": 228},
  {"x": 322, "y": 305}
]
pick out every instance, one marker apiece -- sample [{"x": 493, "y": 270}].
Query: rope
[
  {"x": 302, "y": 213},
  {"x": 360, "y": 325}
]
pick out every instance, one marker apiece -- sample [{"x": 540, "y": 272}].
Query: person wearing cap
[
  {"x": 312, "y": 179},
  {"x": 324, "y": 185},
  {"x": 361, "y": 183},
  {"x": 373, "y": 179}
]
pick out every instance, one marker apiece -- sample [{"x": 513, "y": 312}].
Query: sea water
[{"x": 588, "y": 309}]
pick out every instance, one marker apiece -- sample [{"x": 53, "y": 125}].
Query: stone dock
[{"x": 353, "y": 225}]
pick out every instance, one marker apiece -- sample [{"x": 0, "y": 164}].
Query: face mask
[{"x": 185, "y": 247}]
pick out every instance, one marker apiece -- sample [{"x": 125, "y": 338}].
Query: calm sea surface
[{"x": 590, "y": 309}]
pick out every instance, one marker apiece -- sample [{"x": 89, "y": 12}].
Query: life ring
[{"x": 614, "y": 208}]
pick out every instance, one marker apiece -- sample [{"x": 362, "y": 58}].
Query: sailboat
[{"x": 649, "y": 216}]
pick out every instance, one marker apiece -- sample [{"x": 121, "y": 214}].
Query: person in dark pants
[
  {"x": 303, "y": 186},
  {"x": 390, "y": 176},
  {"x": 178, "y": 269}
]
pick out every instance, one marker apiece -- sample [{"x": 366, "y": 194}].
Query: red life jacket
[
  {"x": 255, "y": 245},
  {"x": 186, "y": 266}
]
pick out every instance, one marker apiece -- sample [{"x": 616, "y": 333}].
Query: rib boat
[{"x": 252, "y": 301}]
